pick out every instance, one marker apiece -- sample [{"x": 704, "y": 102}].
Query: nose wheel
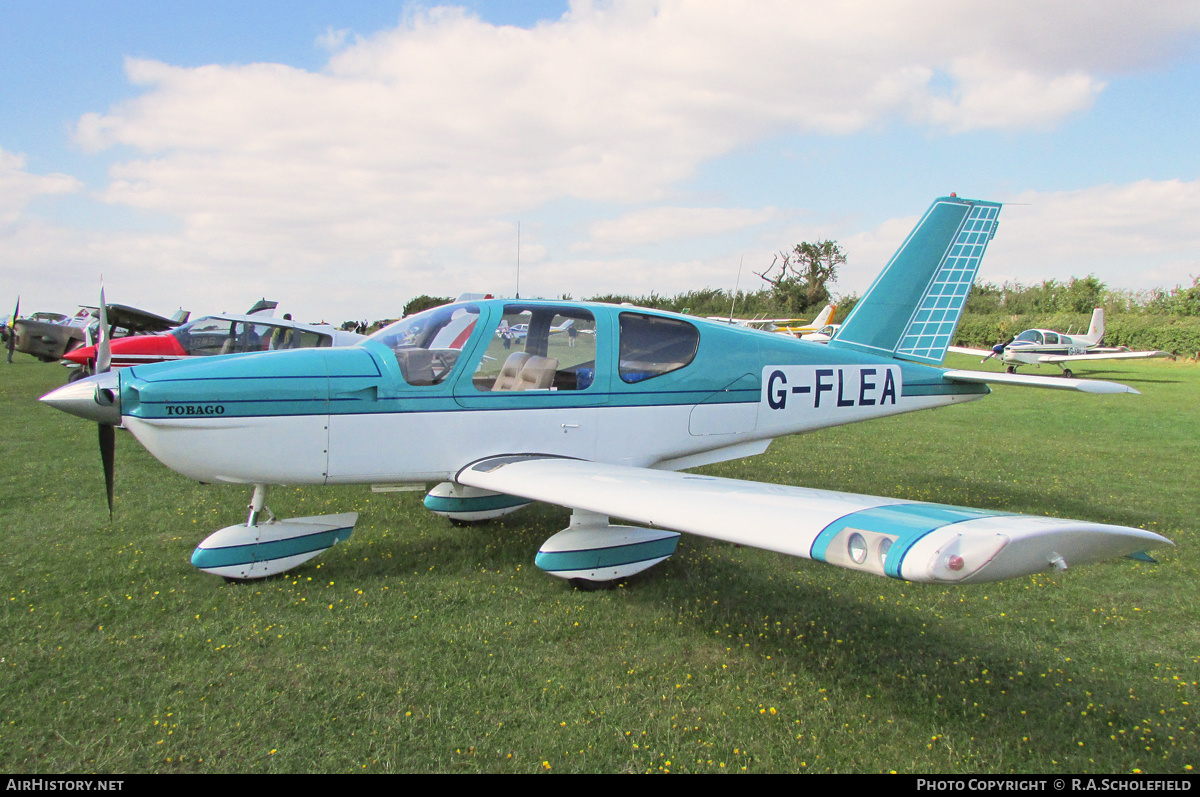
[{"x": 265, "y": 545}]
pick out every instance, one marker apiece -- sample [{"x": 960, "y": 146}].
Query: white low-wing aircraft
[
  {"x": 605, "y": 426},
  {"x": 788, "y": 326},
  {"x": 1045, "y": 346},
  {"x": 822, "y": 335}
]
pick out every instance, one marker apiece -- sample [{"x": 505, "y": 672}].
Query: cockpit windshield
[{"x": 428, "y": 344}]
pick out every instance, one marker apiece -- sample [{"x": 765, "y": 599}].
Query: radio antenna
[
  {"x": 733, "y": 301},
  {"x": 518, "y": 260}
]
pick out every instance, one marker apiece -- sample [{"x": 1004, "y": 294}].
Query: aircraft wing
[
  {"x": 752, "y": 322},
  {"x": 972, "y": 352},
  {"x": 137, "y": 321},
  {"x": 1114, "y": 355},
  {"x": 885, "y": 536},
  {"x": 1052, "y": 382}
]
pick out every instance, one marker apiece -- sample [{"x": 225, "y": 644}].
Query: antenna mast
[
  {"x": 518, "y": 260},
  {"x": 733, "y": 302}
]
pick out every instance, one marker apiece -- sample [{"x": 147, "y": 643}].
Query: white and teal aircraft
[{"x": 606, "y": 423}]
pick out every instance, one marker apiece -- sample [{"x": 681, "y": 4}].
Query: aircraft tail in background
[
  {"x": 1096, "y": 329},
  {"x": 911, "y": 310},
  {"x": 825, "y": 316}
]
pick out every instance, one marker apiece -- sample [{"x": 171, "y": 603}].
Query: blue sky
[{"x": 343, "y": 157}]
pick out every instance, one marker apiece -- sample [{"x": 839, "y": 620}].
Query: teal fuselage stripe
[
  {"x": 907, "y": 522},
  {"x": 593, "y": 558},
  {"x": 482, "y": 503},
  {"x": 234, "y": 555},
  {"x": 272, "y": 407}
]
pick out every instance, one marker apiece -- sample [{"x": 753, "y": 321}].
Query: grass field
[{"x": 418, "y": 646}]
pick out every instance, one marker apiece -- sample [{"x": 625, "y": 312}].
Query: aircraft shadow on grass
[{"x": 931, "y": 674}]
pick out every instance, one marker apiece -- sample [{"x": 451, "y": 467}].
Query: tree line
[
  {"x": 799, "y": 282},
  {"x": 1082, "y": 295}
]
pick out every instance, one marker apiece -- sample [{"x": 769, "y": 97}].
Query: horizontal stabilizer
[
  {"x": 970, "y": 351},
  {"x": 1052, "y": 382},
  {"x": 890, "y": 537}
]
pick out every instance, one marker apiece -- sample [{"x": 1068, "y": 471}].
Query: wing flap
[{"x": 885, "y": 536}]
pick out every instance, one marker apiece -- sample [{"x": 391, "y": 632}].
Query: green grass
[{"x": 418, "y": 646}]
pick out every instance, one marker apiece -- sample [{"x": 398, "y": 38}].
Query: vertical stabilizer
[
  {"x": 1096, "y": 329},
  {"x": 911, "y": 310},
  {"x": 825, "y": 317}
]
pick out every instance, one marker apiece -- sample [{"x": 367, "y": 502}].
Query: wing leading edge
[{"x": 892, "y": 537}]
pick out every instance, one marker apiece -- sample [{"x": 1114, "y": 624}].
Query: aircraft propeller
[
  {"x": 11, "y": 344},
  {"x": 96, "y": 398},
  {"x": 997, "y": 350},
  {"x": 108, "y": 432}
]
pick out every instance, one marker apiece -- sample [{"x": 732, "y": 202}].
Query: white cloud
[
  {"x": 654, "y": 225},
  {"x": 402, "y": 165},
  {"x": 19, "y": 187},
  {"x": 992, "y": 97},
  {"x": 1130, "y": 236}
]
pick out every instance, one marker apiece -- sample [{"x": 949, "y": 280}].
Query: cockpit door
[{"x": 537, "y": 378}]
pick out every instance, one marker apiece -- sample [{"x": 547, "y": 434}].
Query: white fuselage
[{"x": 414, "y": 447}]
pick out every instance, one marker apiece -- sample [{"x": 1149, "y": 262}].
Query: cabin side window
[
  {"x": 652, "y": 346},
  {"x": 538, "y": 347}
]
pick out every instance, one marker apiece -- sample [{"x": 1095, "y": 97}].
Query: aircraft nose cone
[
  {"x": 80, "y": 355},
  {"x": 96, "y": 398}
]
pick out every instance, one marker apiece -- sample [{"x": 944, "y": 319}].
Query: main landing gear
[{"x": 259, "y": 548}]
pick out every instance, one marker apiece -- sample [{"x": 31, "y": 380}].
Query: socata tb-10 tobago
[{"x": 603, "y": 420}]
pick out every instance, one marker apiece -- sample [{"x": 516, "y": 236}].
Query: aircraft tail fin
[
  {"x": 912, "y": 308},
  {"x": 264, "y": 306},
  {"x": 1096, "y": 328},
  {"x": 825, "y": 316}
]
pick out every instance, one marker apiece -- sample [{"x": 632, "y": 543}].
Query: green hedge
[{"x": 1179, "y": 335}]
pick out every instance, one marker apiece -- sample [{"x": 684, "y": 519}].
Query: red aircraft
[{"x": 214, "y": 334}]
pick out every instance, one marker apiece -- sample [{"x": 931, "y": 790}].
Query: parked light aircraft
[
  {"x": 789, "y": 326},
  {"x": 519, "y": 331},
  {"x": 48, "y": 336},
  {"x": 214, "y": 334},
  {"x": 606, "y": 428},
  {"x": 822, "y": 335},
  {"x": 823, "y": 319},
  {"x": 1038, "y": 346}
]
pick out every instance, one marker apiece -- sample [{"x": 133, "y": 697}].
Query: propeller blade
[
  {"x": 108, "y": 432},
  {"x": 108, "y": 445},
  {"x": 11, "y": 345},
  {"x": 104, "y": 349}
]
